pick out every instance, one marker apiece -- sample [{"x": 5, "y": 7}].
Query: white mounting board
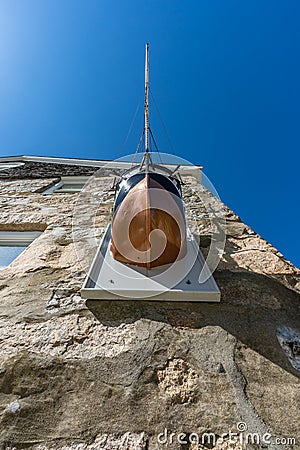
[{"x": 109, "y": 279}]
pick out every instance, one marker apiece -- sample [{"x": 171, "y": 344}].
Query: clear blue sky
[{"x": 225, "y": 76}]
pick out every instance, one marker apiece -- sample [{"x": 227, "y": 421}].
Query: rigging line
[
  {"x": 138, "y": 147},
  {"x": 132, "y": 123},
  {"x": 158, "y": 152},
  {"x": 163, "y": 123},
  {"x": 151, "y": 142}
]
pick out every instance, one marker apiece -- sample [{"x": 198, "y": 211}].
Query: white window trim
[
  {"x": 59, "y": 187},
  {"x": 53, "y": 188},
  {"x": 18, "y": 238}
]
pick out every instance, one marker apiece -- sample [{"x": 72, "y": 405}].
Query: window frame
[
  {"x": 59, "y": 188},
  {"x": 17, "y": 239}
]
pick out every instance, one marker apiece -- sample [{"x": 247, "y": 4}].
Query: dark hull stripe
[{"x": 127, "y": 185}]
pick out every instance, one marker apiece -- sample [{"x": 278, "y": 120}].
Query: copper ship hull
[{"x": 148, "y": 226}]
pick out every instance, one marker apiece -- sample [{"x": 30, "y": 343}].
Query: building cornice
[{"x": 82, "y": 162}]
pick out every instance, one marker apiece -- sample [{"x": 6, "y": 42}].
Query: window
[
  {"x": 13, "y": 243},
  {"x": 68, "y": 185}
]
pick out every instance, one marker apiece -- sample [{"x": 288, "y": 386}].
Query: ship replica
[
  {"x": 148, "y": 250},
  {"x": 139, "y": 193}
]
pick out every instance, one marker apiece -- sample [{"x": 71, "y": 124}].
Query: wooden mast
[
  {"x": 146, "y": 106},
  {"x": 147, "y": 160}
]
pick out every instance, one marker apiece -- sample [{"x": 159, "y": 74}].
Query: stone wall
[{"x": 114, "y": 375}]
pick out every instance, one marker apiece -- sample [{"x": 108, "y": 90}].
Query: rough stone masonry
[{"x": 135, "y": 374}]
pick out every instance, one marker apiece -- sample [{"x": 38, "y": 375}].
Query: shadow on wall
[{"x": 252, "y": 308}]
